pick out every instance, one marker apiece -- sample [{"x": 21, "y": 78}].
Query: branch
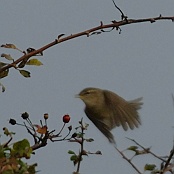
[
  {"x": 147, "y": 150},
  {"x": 81, "y": 147},
  {"x": 89, "y": 32},
  {"x": 128, "y": 160},
  {"x": 168, "y": 161}
]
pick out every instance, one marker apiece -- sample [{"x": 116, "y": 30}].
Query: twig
[
  {"x": 168, "y": 160},
  {"x": 122, "y": 14},
  {"x": 147, "y": 150},
  {"x": 81, "y": 147},
  {"x": 128, "y": 160},
  {"x": 58, "y": 135},
  {"x": 61, "y": 130},
  {"x": 6, "y": 144},
  {"x": 114, "y": 24}
]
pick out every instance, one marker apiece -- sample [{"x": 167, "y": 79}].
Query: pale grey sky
[{"x": 138, "y": 62}]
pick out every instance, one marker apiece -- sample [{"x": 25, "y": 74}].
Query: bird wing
[
  {"x": 123, "y": 112},
  {"x": 101, "y": 126}
]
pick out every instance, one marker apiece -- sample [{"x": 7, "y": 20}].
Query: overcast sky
[{"x": 139, "y": 62}]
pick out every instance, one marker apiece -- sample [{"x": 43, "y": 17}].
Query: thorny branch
[{"x": 96, "y": 30}]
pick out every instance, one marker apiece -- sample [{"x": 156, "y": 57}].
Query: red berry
[{"x": 66, "y": 118}]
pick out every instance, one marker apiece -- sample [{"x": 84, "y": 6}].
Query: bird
[{"x": 108, "y": 110}]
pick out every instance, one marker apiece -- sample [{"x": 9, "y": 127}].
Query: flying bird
[{"x": 108, "y": 110}]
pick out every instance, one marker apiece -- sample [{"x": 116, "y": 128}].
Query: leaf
[
  {"x": 89, "y": 140},
  {"x": 79, "y": 135},
  {"x": 25, "y": 73},
  {"x": 21, "y": 144},
  {"x": 41, "y": 130},
  {"x": 23, "y": 62},
  {"x": 71, "y": 152},
  {"x": 142, "y": 152},
  {"x": 35, "y": 62},
  {"x": 3, "y": 87},
  {"x": 73, "y": 158},
  {"x": 31, "y": 169},
  {"x": 98, "y": 153},
  {"x": 4, "y": 73},
  {"x": 9, "y": 46},
  {"x": 149, "y": 167},
  {"x": 2, "y": 64},
  {"x": 12, "y": 46},
  {"x": 7, "y": 56},
  {"x": 22, "y": 148},
  {"x": 133, "y": 148},
  {"x": 6, "y": 131},
  {"x": 86, "y": 126},
  {"x": 84, "y": 152}
]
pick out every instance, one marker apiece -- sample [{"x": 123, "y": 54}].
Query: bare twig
[
  {"x": 51, "y": 137},
  {"x": 61, "y": 130},
  {"x": 7, "y": 143},
  {"x": 123, "y": 17},
  {"x": 168, "y": 160},
  {"x": 128, "y": 160}
]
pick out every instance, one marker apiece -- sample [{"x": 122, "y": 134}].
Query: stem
[{"x": 81, "y": 148}]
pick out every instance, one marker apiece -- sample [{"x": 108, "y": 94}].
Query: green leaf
[
  {"x": 86, "y": 126},
  {"x": 71, "y": 152},
  {"x": 133, "y": 148},
  {"x": 25, "y": 73},
  {"x": 23, "y": 62},
  {"x": 2, "y": 64},
  {"x": 21, "y": 145},
  {"x": 7, "y": 56},
  {"x": 22, "y": 148},
  {"x": 4, "y": 73},
  {"x": 149, "y": 167},
  {"x": 32, "y": 169},
  {"x": 80, "y": 135},
  {"x": 73, "y": 158},
  {"x": 90, "y": 140},
  {"x": 6, "y": 132},
  {"x": 35, "y": 62}
]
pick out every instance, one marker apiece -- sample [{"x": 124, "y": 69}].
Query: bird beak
[{"x": 77, "y": 96}]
